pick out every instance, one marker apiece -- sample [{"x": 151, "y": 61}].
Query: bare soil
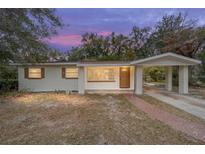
[{"x": 58, "y": 118}]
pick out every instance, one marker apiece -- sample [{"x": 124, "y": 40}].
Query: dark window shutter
[
  {"x": 63, "y": 72},
  {"x": 26, "y": 73},
  {"x": 42, "y": 73}
]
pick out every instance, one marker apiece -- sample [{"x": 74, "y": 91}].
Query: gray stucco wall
[{"x": 53, "y": 81}]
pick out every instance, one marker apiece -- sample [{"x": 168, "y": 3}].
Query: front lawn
[{"x": 58, "y": 118}]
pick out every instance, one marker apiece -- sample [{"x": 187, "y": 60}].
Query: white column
[
  {"x": 81, "y": 80},
  {"x": 138, "y": 80},
  {"x": 183, "y": 79},
  {"x": 168, "y": 78}
]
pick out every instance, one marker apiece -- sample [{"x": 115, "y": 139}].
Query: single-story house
[{"x": 101, "y": 75}]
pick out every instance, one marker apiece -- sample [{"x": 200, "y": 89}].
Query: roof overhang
[
  {"x": 167, "y": 59},
  {"x": 102, "y": 64},
  {"x": 45, "y": 64}
]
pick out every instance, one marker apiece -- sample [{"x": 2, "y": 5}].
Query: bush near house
[
  {"x": 8, "y": 79},
  {"x": 154, "y": 74}
]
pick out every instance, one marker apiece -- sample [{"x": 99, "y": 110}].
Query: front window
[
  {"x": 71, "y": 73},
  {"x": 100, "y": 74},
  {"x": 34, "y": 73}
]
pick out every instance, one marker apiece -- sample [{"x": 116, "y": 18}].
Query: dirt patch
[{"x": 57, "y": 118}]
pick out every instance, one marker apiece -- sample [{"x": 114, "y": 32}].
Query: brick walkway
[{"x": 190, "y": 128}]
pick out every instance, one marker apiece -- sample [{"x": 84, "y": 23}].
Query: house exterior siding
[{"x": 53, "y": 81}]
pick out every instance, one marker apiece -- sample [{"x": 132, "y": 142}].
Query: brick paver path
[{"x": 190, "y": 128}]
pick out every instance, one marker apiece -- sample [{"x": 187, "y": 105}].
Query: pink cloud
[
  {"x": 65, "y": 40},
  {"x": 71, "y": 39},
  {"x": 104, "y": 33}
]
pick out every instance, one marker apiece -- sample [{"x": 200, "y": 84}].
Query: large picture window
[{"x": 100, "y": 74}]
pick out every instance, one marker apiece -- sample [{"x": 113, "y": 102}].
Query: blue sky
[{"x": 105, "y": 21}]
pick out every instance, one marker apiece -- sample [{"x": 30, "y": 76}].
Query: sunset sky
[{"x": 105, "y": 21}]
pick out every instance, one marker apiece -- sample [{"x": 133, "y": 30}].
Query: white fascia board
[
  {"x": 42, "y": 64},
  {"x": 165, "y": 55},
  {"x": 102, "y": 65}
]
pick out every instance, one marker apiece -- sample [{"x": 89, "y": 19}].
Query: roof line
[
  {"x": 166, "y": 54},
  {"x": 50, "y": 64},
  {"x": 111, "y": 64}
]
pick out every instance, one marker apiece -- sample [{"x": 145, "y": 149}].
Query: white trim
[
  {"x": 81, "y": 80},
  {"x": 183, "y": 80},
  {"x": 165, "y": 55},
  {"x": 139, "y": 80},
  {"x": 105, "y": 64},
  {"x": 43, "y": 64},
  {"x": 168, "y": 78}
]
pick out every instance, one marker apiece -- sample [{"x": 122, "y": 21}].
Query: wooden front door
[{"x": 124, "y": 77}]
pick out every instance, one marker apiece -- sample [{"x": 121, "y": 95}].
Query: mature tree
[
  {"x": 120, "y": 47},
  {"x": 112, "y": 47},
  {"x": 139, "y": 38},
  {"x": 177, "y": 33},
  {"x": 76, "y": 54},
  {"x": 93, "y": 45},
  {"x": 21, "y": 39},
  {"x": 22, "y": 32}
]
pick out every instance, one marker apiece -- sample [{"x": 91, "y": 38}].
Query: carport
[{"x": 167, "y": 60}]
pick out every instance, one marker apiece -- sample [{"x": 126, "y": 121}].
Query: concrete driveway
[{"x": 187, "y": 103}]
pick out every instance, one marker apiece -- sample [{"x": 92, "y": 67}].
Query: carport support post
[
  {"x": 168, "y": 78},
  {"x": 81, "y": 80},
  {"x": 183, "y": 79},
  {"x": 138, "y": 80}
]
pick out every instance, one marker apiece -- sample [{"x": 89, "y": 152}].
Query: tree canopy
[
  {"x": 22, "y": 32},
  {"x": 173, "y": 33}
]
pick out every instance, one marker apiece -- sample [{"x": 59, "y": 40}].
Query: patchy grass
[
  {"x": 57, "y": 118},
  {"x": 172, "y": 109},
  {"x": 197, "y": 92}
]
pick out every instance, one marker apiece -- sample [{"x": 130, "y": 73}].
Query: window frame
[
  {"x": 27, "y": 73},
  {"x": 114, "y": 80},
  {"x": 64, "y": 73}
]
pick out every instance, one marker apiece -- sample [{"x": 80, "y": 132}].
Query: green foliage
[
  {"x": 154, "y": 74},
  {"x": 177, "y": 33},
  {"x": 8, "y": 78},
  {"x": 139, "y": 39},
  {"x": 113, "y": 47},
  {"x": 201, "y": 69},
  {"x": 174, "y": 33},
  {"x": 22, "y": 32}
]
